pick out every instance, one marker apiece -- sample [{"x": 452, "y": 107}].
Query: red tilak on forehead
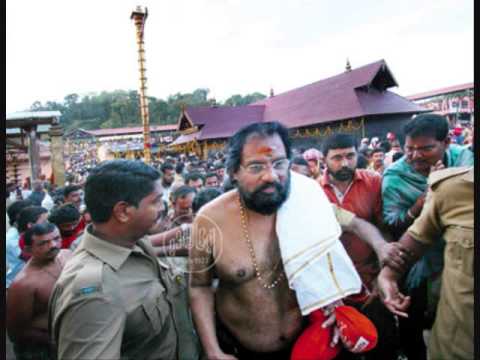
[{"x": 265, "y": 150}]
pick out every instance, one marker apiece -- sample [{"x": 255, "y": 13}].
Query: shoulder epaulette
[{"x": 438, "y": 176}]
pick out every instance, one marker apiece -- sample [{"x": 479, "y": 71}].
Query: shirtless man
[
  {"x": 253, "y": 313},
  {"x": 28, "y": 296}
]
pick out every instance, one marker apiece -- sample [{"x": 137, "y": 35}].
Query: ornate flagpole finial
[{"x": 348, "y": 67}]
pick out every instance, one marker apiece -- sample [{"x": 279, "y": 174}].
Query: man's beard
[
  {"x": 167, "y": 182},
  {"x": 344, "y": 174},
  {"x": 266, "y": 203}
]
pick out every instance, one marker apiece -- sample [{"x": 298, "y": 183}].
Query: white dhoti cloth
[{"x": 316, "y": 264}]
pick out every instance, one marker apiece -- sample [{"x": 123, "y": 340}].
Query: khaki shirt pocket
[
  {"x": 459, "y": 249},
  {"x": 156, "y": 310}
]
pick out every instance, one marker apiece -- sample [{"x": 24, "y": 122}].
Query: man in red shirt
[
  {"x": 69, "y": 221},
  {"x": 359, "y": 191}
]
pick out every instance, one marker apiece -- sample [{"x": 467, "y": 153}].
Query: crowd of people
[{"x": 237, "y": 256}]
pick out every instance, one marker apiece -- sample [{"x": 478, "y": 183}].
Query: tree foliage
[{"x": 121, "y": 108}]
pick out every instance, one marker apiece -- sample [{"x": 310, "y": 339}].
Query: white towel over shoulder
[{"x": 316, "y": 264}]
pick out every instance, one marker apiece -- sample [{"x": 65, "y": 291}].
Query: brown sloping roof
[
  {"x": 223, "y": 121},
  {"x": 353, "y": 94},
  {"x": 131, "y": 130},
  {"x": 442, "y": 91},
  {"x": 359, "y": 92}
]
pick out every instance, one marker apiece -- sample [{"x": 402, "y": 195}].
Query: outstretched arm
[
  {"x": 388, "y": 253},
  {"x": 388, "y": 278}
]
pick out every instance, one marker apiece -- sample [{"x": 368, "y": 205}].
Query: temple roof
[
  {"x": 223, "y": 121},
  {"x": 131, "y": 130},
  {"x": 442, "y": 91},
  {"x": 352, "y": 94}
]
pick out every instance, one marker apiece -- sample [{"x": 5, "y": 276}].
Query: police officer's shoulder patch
[
  {"x": 438, "y": 176},
  {"x": 89, "y": 279}
]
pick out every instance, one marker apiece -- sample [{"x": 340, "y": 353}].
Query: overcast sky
[{"x": 58, "y": 47}]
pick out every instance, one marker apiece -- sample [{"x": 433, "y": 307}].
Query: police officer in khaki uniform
[
  {"x": 113, "y": 300},
  {"x": 448, "y": 212}
]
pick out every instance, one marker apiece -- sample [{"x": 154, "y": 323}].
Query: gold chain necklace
[{"x": 243, "y": 217}]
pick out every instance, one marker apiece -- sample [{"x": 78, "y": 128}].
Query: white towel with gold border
[{"x": 316, "y": 264}]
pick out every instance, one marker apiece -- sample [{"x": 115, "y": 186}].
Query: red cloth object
[
  {"x": 391, "y": 136},
  {"x": 357, "y": 333},
  {"x": 78, "y": 231},
  {"x": 457, "y": 131},
  {"x": 314, "y": 342},
  {"x": 21, "y": 243},
  {"x": 312, "y": 154}
]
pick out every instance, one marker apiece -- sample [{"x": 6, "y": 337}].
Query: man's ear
[
  {"x": 447, "y": 141},
  {"x": 122, "y": 212}
]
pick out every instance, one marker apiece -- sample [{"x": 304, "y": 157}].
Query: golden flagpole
[{"x": 139, "y": 15}]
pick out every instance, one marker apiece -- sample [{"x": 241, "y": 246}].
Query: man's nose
[
  {"x": 416, "y": 154},
  {"x": 53, "y": 243},
  {"x": 269, "y": 175}
]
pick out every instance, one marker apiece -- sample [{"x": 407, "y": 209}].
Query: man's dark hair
[
  {"x": 114, "y": 181},
  {"x": 366, "y": 152},
  {"x": 429, "y": 125},
  {"x": 167, "y": 166},
  {"x": 30, "y": 214},
  {"x": 299, "y": 160},
  {"x": 179, "y": 168},
  {"x": 194, "y": 176},
  {"x": 338, "y": 141},
  {"x": 182, "y": 191},
  {"x": 228, "y": 185},
  {"x": 238, "y": 140},
  {"x": 386, "y": 146},
  {"x": 362, "y": 162},
  {"x": 203, "y": 197},
  {"x": 15, "y": 208},
  {"x": 397, "y": 156},
  {"x": 69, "y": 189},
  {"x": 211, "y": 174},
  {"x": 38, "y": 230},
  {"x": 63, "y": 214},
  {"x": 377, "y": 150}
]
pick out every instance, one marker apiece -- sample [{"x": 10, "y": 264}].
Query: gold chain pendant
[{"x": 243, "y": 218}]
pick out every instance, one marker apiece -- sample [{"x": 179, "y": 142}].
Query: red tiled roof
[
  {"x": 343, "y": 96},
  {"x": 441, "y": 91},
  {"x": 131, "y": 130},
  {"x": 223, "y": 121}
]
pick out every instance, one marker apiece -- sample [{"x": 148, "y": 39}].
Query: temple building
[
  {"x": 126, "y": 142},
  {"x": 357, "y": 101},
  {"x": 34, "y": 147},
  {"x": 454, "y": 102}
]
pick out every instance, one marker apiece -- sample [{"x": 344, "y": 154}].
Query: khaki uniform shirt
[
  {"x": 111, "y": 302},
  {"x": 448, "y": 212}
]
